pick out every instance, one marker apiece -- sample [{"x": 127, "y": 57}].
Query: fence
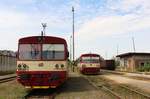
[{"x": 7, "y": 63}]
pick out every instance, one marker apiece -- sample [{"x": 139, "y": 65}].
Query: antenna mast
[{"x": 44, "y": 25}]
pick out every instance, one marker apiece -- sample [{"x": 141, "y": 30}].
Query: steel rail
[
  {"x": 7, "y": 79},
  {"x": 38, "y": 94},
  {"x": 105, "y": 88},
  {"x": 123, "y": 74},
  {"x": 135, "y": 91},
  {"x": 122, "y": 86}
]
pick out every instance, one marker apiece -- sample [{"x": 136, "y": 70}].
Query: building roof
[
  {"x": 133, "y": 53},
  {"x": 7, "y": 53}
]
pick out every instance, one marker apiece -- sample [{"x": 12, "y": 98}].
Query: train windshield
[
  {"x": 53, "y": 51},
  {"x": 48, "y": 51},
  {"x": 90, "y": 59},
  {"x": 29, "y": 51}
]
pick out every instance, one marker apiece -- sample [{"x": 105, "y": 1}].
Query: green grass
[
  {"x": 6, "y": 72},
  {"x": 12, "y": 90}
]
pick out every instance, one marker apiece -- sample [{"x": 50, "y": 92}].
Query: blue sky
[{"x": 100, "y": 25}]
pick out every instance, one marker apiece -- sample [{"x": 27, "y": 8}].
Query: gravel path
[
  {"x": 79, "y": 88},
  {"x": 143, "y": 85}
]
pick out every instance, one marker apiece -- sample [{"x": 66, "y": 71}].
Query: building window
[
  {"x": 142, "y": 64},
  {"x": 125, "y": 63}
]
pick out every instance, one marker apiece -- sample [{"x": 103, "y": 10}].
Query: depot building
[{"x": 133, "y": 60}]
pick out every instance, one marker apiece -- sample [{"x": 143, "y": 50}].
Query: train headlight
[
  {"x": 24, "y": 65},
  {"x": 19, "y": 67},
  {"x": 56, "y": 66},
  {"x": 62, "y": 66}
]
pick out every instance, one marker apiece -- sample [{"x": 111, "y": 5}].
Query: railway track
[
  {"x": 137, "y": 92},
  {"x": 41, "y": 94},
  {"x": 7, "y": 79},
  {"x": 110, "y": 88},
  {"x": 125, "y": 74},
  {"x": 114, "y": 94},
  {"x": 116, "y": 90}
]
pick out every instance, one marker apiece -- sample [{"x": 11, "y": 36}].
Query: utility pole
[
  {"x": 70, "y": 48},
  {"x": 73, "y": 30},
  {"x": 133, "y": 44},
  {"x": 117, "y": 49},
  {"x": 134, "y": 51},
  {"x": 73, "y": 35},
  {"x": 106, "y": 54}
]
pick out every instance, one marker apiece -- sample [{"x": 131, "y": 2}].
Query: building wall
[
  {"x": 126, "y": 64},
  {"x": 132, "y": 63},
  {"x": 7, "y": 63},
  {"x": 141, "y": 61}
]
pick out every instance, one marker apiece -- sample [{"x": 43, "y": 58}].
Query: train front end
[
  {"x": 42, "y": 62},
  {"x": 89, "y": 64}
]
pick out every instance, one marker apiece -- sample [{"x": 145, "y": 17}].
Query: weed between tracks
[
  {"x": 124, "y": 93},
  {"x": 11, "y": 90}
]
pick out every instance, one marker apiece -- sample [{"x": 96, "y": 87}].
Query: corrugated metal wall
[{"x": 7, "y": 63}]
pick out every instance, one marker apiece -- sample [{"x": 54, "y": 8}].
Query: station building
[{"x": 132, "y": 61}]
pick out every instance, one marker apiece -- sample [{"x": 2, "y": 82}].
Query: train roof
[
  {"x": 45, "y": 39},
  {"x": 90, "y": 54}
]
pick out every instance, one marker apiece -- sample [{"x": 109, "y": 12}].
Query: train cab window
[
  {"x": 29, "y": 51},
  {"x": 53, "y": 51},
  {"x": 90, "y": 59}
]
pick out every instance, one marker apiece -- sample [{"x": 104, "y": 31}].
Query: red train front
[
  {"x": 42, "y": 61},
  {"x": 89, "y": 63}
]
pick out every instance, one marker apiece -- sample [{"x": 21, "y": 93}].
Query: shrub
[{"x": 145, "y": 68}]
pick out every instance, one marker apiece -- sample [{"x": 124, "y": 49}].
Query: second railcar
[{"x": 89, "y": 63}]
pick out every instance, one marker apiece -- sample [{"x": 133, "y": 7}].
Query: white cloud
[
  {"x": 89, "y": 37},
  {"x": 129, "y": 6},
  {"x": 14, "y": 25},
  {"x": 11, "y": 19},
  {"x": 117, "y": 24},
  {"x": 123, "y": 16}
]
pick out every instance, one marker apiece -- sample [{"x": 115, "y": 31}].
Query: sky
[{"x": 105, "y": 27}]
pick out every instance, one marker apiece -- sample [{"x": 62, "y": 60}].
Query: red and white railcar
[
  {"x": 42, "y": 61},
  {"x": 89, "y": 63}
]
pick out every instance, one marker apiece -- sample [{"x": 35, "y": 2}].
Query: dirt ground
[
  {"x": 76, "y": 87},
  {"x": 79, "y": 88},
  {"x": 140, "y": 84}
]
